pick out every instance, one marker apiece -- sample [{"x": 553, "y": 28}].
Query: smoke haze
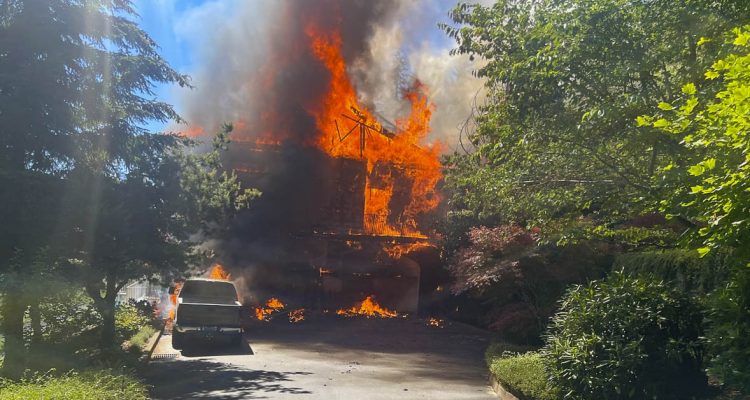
[{"x": 254, "y": 59}]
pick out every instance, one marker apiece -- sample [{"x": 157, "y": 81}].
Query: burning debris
[
  {"x": 367, "y": 308},
  {"x": 397, "y": 251},
  {"x": 436, "y": 322},
  {"x": 263, "y": 313},
  {"x": 297, "y": 315}
]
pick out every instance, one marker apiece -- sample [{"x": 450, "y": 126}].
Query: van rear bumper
[{"x": 208, "y": 330}]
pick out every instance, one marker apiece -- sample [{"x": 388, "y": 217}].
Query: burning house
[
  {"x": 345, "y": 199},
  {"x": 328, "y": 243}
]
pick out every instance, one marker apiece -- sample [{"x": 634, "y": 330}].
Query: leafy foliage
[
  {"x": 711, "y": 185},
  {"x": 129, "y": 320},
  {"x": 560, "y": 145},
  {"x": 493, "y": 255},
  {"x": 77, "y": 83},
  {"x": 682, "y": 269},
  {"x": 519, "y": 281},
  {"x": 728, "y": 342},
  {"x": 558, "y": 139},
  {"x": 626, "y": 338},
  {"x": 98, "y": 196},
  {"x": 67, "y": 315},
  {"x": 523, "y": 375}
]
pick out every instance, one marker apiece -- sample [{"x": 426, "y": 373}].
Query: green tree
[
  {"x": 711, "y": 186},
  {"x": 76, "y": 87},
  {"x": 557, "y": 143},
  {"x": 147, "y": 223}
]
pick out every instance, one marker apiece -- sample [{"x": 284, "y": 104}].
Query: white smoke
[{"x": 402, "y": 46}]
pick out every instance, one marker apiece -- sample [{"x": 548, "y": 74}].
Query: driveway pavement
[{"x": 330, "y": 358}]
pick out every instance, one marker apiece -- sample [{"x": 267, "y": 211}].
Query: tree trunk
[
  {"x": 104, "y": 301},
  {"x": 107, "y": 309},
  {"x": 36, "y": 322},
  {"x": 15, "y": 349}
]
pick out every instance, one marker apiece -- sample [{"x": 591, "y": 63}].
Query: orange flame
[
  {"x": 368, "y": 308},
  {"x": 420, "y": 165},
  {"x": 173, "y": 302},
  {"x": 396, "y": 251},
  {"x": 273, "y": 304},
  {"x": 218, "y": 272},
  {"x": 192, "y": 131},
  {"x": 297, "y": 315}
]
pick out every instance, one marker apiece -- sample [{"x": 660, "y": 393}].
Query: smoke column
[{"x": 254, "y": 60}]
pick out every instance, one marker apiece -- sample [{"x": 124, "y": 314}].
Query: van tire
[
  {"x": 237, "y": 339},
  {"x": 178, "y": 340}
]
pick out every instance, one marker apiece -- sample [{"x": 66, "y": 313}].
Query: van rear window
[{"x": 209, "y": 291}]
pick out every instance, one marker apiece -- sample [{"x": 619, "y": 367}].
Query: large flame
[
  {"x": 402, "y": 173},
  {"x": 421, "y": 165},
  {"x": 368, "y": 308},
  {"x": 218, "y": 272}
]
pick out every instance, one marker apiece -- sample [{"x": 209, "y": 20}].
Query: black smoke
[{"x": 271, "y": 83}]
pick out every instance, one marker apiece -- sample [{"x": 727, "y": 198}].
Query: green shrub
[
  {"x": 522, "y": 375},
  {"x": 681, "y": 269},
  {"x": 728, "y": 332},
  {"x": 68, "y": 314},
  {"x": 498, "y": 349},
  {"x": 626, "y": 338},
  {"x": 138, "y": 341},
  {"x": 129, "y": 319},
  {"x": 722, "y": 283},
  {"x": 100, "y": 385}
]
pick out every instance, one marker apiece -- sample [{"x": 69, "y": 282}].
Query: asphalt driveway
[{"x": 330, "y": 358}]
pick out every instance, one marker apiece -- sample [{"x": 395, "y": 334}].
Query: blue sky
[{"x": 158, "y": 19}]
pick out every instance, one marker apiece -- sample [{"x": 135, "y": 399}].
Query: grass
[
  {"x": 102, "y": 385},
  {"x": 138, "y": 341},
  {"x": 498, "y": 350},
  {"x": 520, "y": 370}
]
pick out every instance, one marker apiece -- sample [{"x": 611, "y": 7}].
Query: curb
[
  {"x": 500, "y": 391},
  {"x": 155, "y": 343}
]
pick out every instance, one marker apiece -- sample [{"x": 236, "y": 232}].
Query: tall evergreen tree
[{"x": 76, "y": 89}]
